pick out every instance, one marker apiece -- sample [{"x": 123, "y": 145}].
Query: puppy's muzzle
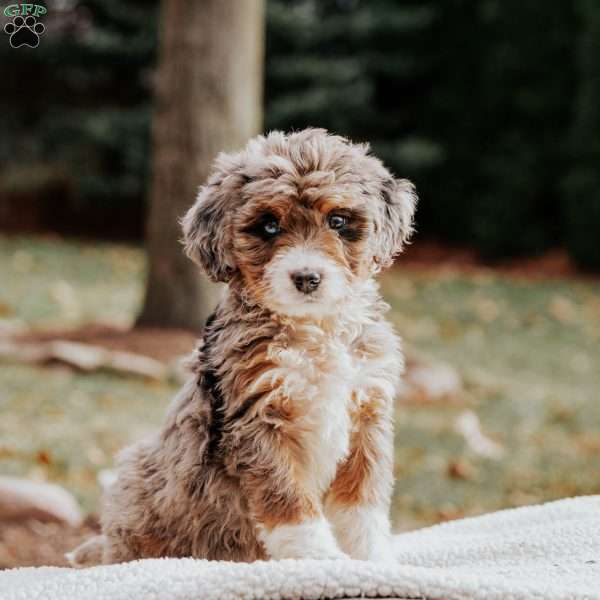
[{"x": 306, "y": 281}]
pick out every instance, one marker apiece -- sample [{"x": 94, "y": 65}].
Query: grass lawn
[{"x": 529, "y": 352}]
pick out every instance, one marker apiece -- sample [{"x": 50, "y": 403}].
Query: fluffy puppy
[{"x": 280, "y": 445}]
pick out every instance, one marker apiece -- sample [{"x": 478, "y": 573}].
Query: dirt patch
[
  {"x": 35, "y": 544},
  {"x": 160, "y": 344}
]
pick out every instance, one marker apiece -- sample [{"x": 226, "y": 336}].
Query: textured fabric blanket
[{"x": 550, "y": 551}]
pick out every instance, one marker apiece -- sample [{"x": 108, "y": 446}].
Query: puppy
[{"x": 281, "y": 444}]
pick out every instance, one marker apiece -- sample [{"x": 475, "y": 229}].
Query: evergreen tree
[
  {"x": 80, "y": 102},
  {"x": 466, "y": 98},
  {"x": 360, "y": 69},
  {"x": 582, "y": 186},
  {"x": 527, "y": 62},
  {"x": 490, "y": 106}
]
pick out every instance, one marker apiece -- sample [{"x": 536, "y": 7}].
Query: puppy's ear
[
  {"x": 394, "y": 219},
  {"x": 207, "y": 229}
]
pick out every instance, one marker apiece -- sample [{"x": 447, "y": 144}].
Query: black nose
[{"x": 306, "y": 281}]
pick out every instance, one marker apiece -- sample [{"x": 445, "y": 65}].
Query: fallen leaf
[
  {"x": 43, "y": 457},
  {"x": 461, "y": 469}
]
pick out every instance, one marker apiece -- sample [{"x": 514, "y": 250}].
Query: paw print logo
[{"x": 24, "y": 31}]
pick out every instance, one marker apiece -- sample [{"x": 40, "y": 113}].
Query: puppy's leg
[
  {"x": 358, "y": 501},
  {"x": 89, "y": 553},
  {"x": 285, "y": 506},
  {"x": 101, "y": 549},
  {"x": 117, "y": 549}
]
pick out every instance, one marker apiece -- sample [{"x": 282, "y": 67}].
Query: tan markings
[
  {"x": 327, "y": 203},
  {"x": 275, "y": 480},
  {"x": 149, "y": 547},
  {"x": 283, "y": 412},
  {"x": 367, "y": 349},
  {"x": 279, "y": 506},
  {"x": 251, "y": 367},
  {"x": 352, "y": 483}
]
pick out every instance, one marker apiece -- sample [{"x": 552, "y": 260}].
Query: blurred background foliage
[{"x": 492, "y": 107}]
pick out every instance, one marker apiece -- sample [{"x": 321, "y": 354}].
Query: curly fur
[{"x": 280, "y": 444}]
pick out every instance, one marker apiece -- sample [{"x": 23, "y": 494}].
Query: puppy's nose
[{"x": 306, "y": 281}]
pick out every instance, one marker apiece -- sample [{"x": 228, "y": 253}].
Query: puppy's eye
[
  {"x": 336, "y": 221},
  {"x": 266, "y": 227},
  {"x": 271, "y": 228}
]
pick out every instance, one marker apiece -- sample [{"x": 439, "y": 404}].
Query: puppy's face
[
  {"x": 299, "y": 221},
  {"x": 299, "y": 254}
]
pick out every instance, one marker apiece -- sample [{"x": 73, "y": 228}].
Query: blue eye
[
  {"x": 336, "y": 221},
  {"x": 271, "y": 228}
]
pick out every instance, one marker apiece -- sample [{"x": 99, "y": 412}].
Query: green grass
[
  {"x": 49, "y": 283},
  {"x": 57, "y": 424},
  {"x": 529, "y": 353}
]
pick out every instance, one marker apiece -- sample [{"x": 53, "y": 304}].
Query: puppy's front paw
[
  {"x": 364, "y": 533},
  {"x": 310, "y": 539}
]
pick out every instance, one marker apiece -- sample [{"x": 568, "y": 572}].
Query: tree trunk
[{"x": 208, "y": 99}]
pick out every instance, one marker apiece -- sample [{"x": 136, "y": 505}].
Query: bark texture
[{"x": 208, "y": 99}]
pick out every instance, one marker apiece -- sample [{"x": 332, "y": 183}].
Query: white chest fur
[
  {"x": 325, "y": 375},
  {"x": 319, "y": 372}
]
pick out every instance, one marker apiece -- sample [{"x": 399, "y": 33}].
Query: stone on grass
[
  {"x": 23, "y": 499},
  {"x": 426, "y": 381}
]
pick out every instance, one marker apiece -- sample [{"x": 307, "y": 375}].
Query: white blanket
[{"x": 550, "y": 551}]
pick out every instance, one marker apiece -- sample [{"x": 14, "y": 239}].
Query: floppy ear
[
  {"x": 207, "y": 229},
  {"x": 394, "y": 219}
]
